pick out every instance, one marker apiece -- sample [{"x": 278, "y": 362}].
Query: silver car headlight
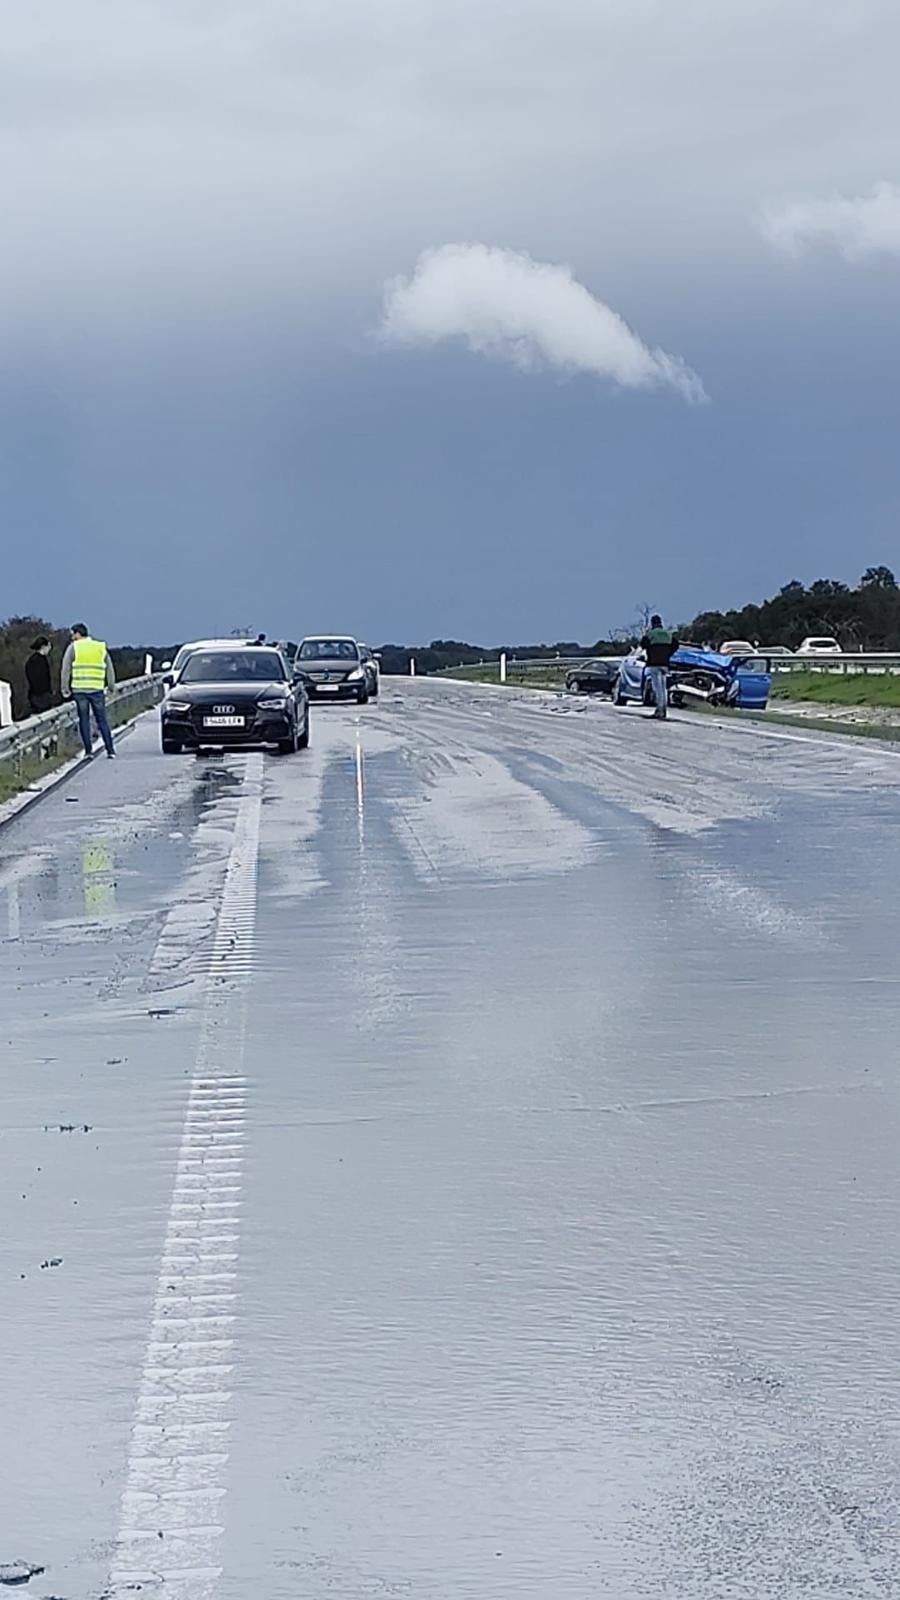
[{"x": 356, "y": 674}]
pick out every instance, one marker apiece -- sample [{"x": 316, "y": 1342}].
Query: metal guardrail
[
  {"x": 27, "y": 747},
  {"x": 551, "y": 662},
  {"x": 878, "y": 662},
  {"x": 536, "y": 667}
]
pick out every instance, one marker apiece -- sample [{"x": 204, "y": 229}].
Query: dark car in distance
[
  {"x": 234, "y": 698},
  {"x": 593, "y": 677},
  {"x": 333, "y": 668}
]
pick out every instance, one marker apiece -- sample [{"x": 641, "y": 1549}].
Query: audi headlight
[
  {"x": 177, "y": 705},
  {"x": 276, "y": 702},
  {"x": 357, "y": 673}
]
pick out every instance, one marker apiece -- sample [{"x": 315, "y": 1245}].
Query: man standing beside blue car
[
  {"x": 87, "y": 672},
  {"x": 660, "y": 644}
]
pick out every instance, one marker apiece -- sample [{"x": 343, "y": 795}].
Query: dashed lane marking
[{"x": 167, "y": 1539}]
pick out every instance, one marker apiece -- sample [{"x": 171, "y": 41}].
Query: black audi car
[
  {"x": 333, "y": 668},
  {"x": 593, "y": 677},
  {"x": 235, "y": 697}
]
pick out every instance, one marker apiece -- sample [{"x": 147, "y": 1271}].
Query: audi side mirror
[{"x": 168, "y": 681}]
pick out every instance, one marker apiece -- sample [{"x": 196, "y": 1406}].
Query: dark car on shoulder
[
  {"x": 593, "y": 677},
  {"x": 333, "y": 668},
  {"x": 234, "y": 698}
]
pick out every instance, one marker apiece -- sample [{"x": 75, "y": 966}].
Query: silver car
[{"x": 333, "y": 667}]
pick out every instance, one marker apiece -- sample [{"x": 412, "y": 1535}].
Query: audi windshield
[{"x": 237, "y": 666}]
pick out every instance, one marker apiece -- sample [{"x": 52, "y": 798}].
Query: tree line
[
  {"x": 866, "y": 617},
  {"x": 18, "y": 634}
]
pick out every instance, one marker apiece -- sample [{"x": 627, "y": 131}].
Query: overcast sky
[{"x": 422, "y": 318}]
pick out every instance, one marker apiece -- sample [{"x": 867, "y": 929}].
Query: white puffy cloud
[
  {"x": 528, "y": 312},
  {"x": 861, "y": 225}
]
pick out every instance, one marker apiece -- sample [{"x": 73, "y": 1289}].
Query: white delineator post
[
  {"x": 412, "y": 666},
  {"x": 148, "y": 666},
  {"x": 502, "y": 666},
  {"x": 6, "y": 715}
]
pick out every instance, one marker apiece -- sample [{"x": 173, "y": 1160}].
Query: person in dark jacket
[
  {"x": 660, "y": 644},
  {"x": 37, "y": 676}
]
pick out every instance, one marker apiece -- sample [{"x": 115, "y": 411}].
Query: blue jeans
[
  {"x": 87, "y": 701},
  {"x": 659, "y": 678}
]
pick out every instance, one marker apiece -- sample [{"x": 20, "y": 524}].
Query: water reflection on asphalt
[{"x": 567, "y": 1261}]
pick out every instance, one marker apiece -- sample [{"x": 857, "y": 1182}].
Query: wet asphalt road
[{"x": 457, "y": 1161}]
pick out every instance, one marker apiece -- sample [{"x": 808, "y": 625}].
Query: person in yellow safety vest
[{"x": 87, "y": 672}]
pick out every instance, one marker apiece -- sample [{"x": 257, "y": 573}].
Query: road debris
[{"x": 16, "y": 1572}]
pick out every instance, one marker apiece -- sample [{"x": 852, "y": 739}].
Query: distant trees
[
  {"x": 864, "y": 618},
  {"x": 17, "y": 634},
  {"x": 443, "y": 653}
]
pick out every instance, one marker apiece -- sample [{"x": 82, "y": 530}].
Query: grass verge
[
  {"x": 838, "y": 688},
  {"x": 887, "y": 732}
]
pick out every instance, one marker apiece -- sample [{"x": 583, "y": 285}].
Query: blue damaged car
[{"x": 704, "y": 675}]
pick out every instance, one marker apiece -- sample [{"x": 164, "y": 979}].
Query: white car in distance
[{"x": 820, "y": 647}]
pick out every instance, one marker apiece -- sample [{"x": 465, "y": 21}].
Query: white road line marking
[
  {"x": 156, "y": 1346},
  {"x": 173, "y": 1410}
]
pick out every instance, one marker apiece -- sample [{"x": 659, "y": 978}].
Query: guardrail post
[
  {"x": 502, "y": 666},
  {"x": 6, "y": 715}
]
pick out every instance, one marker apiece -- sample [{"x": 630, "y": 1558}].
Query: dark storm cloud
[{"x": 203, "y": 200}]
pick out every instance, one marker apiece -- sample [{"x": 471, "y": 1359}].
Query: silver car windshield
[{"x": 328, "y": 650}]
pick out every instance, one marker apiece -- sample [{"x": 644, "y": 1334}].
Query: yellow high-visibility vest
[{"x": 89, "y": 665}]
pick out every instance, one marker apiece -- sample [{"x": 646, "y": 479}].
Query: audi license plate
[{"x": 223, "y": 722}]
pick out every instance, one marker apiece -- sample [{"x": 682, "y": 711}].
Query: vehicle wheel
[
  {"x": 575, "y": 686},
  {"x": 288, "y": 747},
  {"x": 303, "y": 740},
  {"x": 373, "y": 693},
  {"x": 619, "y": 699},
  {"x": 677, "y": 700},
  {"x": 362, "y": 696},
  {"x": 171, "y": 747}
]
